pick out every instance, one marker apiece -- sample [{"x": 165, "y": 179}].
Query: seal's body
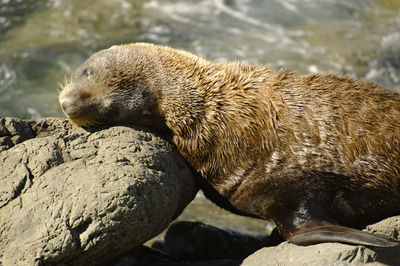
[{"x": 316, "y": 154}]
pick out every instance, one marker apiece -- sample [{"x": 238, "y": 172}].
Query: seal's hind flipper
[{"x": 342, "y": 234}]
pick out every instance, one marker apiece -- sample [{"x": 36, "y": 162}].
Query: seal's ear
[{"x": 334, "y": 233}]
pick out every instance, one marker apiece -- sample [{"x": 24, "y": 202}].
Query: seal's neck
[
  {"x": 212, "y": 112},
  {"x": 183, "y": 90}
]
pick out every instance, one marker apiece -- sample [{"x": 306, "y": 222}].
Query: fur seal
[{"x": 319, "y": 155}]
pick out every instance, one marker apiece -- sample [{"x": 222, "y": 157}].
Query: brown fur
[{"x": 298, "y": 150}]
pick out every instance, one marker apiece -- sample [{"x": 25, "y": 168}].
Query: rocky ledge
[
  {"x": 70, "y": 196},
  {"x": 74, "y": 197}
]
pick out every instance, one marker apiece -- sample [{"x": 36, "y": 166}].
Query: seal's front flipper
[{"x": 342, "y": 234}]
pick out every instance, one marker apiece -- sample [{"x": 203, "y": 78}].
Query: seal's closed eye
[{"x": 87, "y": 72}]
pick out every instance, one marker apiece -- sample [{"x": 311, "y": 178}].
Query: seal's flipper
[{"x": 342, "y": 234}]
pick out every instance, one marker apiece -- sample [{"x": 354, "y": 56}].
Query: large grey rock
[
  {"x": 332, "y": 253},
  {"x": 76, "y": 197}
]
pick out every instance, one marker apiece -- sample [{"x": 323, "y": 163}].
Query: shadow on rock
[{"x": 195, "y": 243}]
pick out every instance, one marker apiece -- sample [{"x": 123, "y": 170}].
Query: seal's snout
[
  {"x": 77, "y": 107},
  {"x": 73, "y": 103},
  {"x": 67, "y": 105}
]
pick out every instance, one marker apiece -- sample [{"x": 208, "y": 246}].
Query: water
[{"x": 43, "y": 41}]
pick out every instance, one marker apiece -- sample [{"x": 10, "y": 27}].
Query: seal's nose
[
  {"x": 65, "y": 105},
  {"x": 69, "y": 103}
]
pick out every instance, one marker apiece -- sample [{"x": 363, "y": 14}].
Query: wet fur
[{"x": 302, "y": 151}]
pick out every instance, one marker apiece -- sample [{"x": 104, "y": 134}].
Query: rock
[
  {"x": 196, "y": 241},
  {"x": 70, "y": 196},
  {"x": 152, "y": 257},
  {"x": 320, "y": 254},
  {"x": 389, "y": 227},
  {"x": 332, "y": 253},
  {"x": 14, "y": 131}
]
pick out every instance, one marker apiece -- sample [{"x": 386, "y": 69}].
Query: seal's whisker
[{"x": 61, "y": 87}]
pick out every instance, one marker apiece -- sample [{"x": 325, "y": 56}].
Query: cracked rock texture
[
  {"x": 332, "y": 253},
  {"x": 69, "y": 196}
]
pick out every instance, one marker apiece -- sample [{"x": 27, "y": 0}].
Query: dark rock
[{"x": 195, "y": 241}]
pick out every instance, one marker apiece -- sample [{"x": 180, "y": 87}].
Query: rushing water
[{"x": 43, "y": 41}]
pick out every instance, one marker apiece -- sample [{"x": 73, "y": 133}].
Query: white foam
[
  {"x": 64, "y": 66},
  {"x": 180, "y": 12},
  {"x": 393, "y": 73},
  {"x": 125, "y": 4},
  {"x": 289, "y": 6},
  {"x": 7, "y": 76},
  {"x": 35, "y": 115},
  {"x": 222, "y": 7},
  {"x": 390, "y": 40},
  {"x": 313, "y": 69}
]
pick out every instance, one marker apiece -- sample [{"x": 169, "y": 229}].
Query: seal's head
[{"x": 111, "y": 87}]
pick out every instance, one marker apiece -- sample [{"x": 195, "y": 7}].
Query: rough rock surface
[
  {"x": 332, "y": 253},
  {"x": 196, "y": 243},
  {"x": 76, "y": 197}
]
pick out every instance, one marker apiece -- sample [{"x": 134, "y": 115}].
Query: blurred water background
[{"x": 43, "y": 41}]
